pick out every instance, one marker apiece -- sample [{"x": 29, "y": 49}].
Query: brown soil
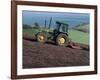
[{"x": 40, "y": 55}]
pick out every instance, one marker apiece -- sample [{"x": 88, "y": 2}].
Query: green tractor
[{"x": 59, "y": 35}]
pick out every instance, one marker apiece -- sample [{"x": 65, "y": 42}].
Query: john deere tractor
[{"x": 59, "y": 35}]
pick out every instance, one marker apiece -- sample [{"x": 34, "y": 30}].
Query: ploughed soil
[{"x": 40, "y": 55}]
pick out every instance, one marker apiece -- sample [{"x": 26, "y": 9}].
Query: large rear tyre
[
  {"x": 41, "y": 37},
  {"x": 62, "y": 40}
]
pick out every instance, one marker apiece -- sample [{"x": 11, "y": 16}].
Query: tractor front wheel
[
  {"x": 41, "y": 37},
  {"x": 62, "y": 40}
]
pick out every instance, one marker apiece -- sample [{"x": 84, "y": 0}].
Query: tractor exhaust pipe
[
  {"x": 45, "y": 23},
  {"x": 50, "y": 22}
]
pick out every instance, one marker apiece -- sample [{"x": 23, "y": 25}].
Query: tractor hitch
[{"x": 73, "y": 45}]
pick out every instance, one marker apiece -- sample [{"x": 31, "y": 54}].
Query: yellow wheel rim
[
  {"x": 61, "y": 40},
  {"x": 41, "y": 38}
]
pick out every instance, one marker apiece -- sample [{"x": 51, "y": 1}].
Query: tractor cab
[{"x": 62, "y": 27}]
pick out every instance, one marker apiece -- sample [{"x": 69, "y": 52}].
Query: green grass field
[
  {"x": 30, "y": 32},
  {"x": 76, "y": 36}
]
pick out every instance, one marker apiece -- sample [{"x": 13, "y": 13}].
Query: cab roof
[{"x": 61, "y": 22}]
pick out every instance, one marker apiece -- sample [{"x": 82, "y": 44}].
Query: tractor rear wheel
[
  {"x": 41, "y": 37},
  {"x": 62, "y": 40}
]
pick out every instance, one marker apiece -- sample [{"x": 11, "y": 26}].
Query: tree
[
  {"x": 25, "y": 26},
  {"x": 36, "y": 25}
]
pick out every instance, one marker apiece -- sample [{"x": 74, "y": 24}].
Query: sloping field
[
  {"x": 83, "y": 28},
  {"x": 79, "y": 36},
  {"x": 38, "y": 55},
  {"x": 30, "y": 32}
]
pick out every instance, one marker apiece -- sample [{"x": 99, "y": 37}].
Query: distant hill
[
  {"x": 25, "y": 26},
  {"x": 83, "y": 28}
]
